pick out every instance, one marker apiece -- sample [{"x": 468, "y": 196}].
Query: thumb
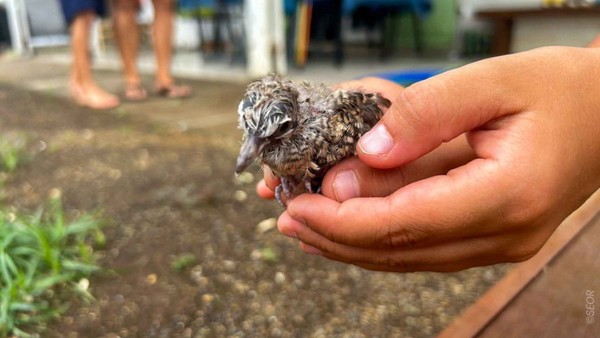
[{"x": 437, "y": 110}]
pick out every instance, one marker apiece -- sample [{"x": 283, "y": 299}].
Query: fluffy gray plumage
[{"x": 300, "y": 131}]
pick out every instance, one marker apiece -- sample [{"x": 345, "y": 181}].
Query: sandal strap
[
  {"x": 174, "y": 91},
  {"x": 135, "y": 92}
]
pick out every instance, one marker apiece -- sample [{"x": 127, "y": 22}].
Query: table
[{"x": 504, "y": 19}]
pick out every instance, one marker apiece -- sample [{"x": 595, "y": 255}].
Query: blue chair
[
  {"x": 327, "y": 15},
  {"x": 374, "y": 13},
  {"x": 219, "y": 12}
]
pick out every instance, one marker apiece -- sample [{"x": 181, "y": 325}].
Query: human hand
[
  {"x": 531, "y": 123},
  {"x": 383, "y": 182},
  {"x": 266, "y": 187}
]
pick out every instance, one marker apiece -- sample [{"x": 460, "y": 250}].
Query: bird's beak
[{"x": 251, "y": 148}]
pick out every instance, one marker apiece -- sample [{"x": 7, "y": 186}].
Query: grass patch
[
  {"x": 45, "y": 261},
  {"x": 13, "y": 151}
]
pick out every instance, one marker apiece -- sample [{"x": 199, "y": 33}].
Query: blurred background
[
  {"x": 331, "y": 40},
  {"x": 188, "y": 250}
]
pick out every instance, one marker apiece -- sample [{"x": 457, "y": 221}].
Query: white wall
[{"x": 536, "y": 32}]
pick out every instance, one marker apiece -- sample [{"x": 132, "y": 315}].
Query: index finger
[{"x": 435, "y": 210}]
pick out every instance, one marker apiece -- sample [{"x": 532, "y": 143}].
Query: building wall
[{"x": 534, "y": 32}]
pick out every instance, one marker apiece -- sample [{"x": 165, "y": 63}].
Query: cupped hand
[
  {"x": 421, "y": 198},
  {"x": 266, "y": 187}
]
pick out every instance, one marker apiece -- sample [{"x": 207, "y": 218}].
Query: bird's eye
[{"x": 284, "y": 128}]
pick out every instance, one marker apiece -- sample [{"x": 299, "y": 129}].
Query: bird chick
[{"x": 300, "y": 131}]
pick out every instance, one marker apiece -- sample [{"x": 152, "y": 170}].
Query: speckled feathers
[{"x": 300, "y": 131}]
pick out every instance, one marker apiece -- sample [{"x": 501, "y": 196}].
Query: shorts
[{"x": 71, "y": 8}]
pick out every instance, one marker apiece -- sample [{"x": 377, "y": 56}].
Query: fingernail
[
  {"x": 309, "y": 249},
  {"x": 288, "y": 226},
  {"x": 345, "y": 185},
  {"x": 377, "y": 141}
]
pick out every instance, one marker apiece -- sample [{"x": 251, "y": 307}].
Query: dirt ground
[{"x": 168, "y": 194}]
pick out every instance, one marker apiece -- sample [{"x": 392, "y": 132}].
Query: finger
[
  {"x": 464, "y": 203},
  {"x": 450, "y": 256},
  {"x": 595, "y": 43},
  {"x": 264, "y": 191},
  {"x": 271, "y": 181},
  {"x": 352, "y": 178},
  {"x": 447, "y": 258},
  {"x": 437, "y": 110}
]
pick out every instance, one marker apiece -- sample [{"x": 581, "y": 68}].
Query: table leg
[{"x": 502, "y": 36}]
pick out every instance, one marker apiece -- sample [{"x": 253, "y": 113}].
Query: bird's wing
[{"x": 358, "y": 107}]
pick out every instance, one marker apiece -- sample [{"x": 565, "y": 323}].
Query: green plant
[
  {"x": 269, "y": 255},
  {"x": 44, "y": 260},
  {"x": 12, "y": 152},
  {"x": 183, "y": 261}
]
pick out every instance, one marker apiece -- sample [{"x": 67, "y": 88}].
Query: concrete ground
[
  {"x": 48, "y": 72},
  {"x": 329, "y": 298}
]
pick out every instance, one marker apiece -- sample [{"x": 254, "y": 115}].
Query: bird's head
[{"x": 268, "y": 112}]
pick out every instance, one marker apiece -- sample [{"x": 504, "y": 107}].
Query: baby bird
[{"x": 300, "y": 131}]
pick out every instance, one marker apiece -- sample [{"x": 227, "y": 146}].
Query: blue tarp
[{"x": 410, "y": 76}]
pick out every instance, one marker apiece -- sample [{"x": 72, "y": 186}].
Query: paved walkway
[
  {"x": 218, "y": 85},
  {"x": 213, "y": 103},
  {"x": 546, "y": 298}
]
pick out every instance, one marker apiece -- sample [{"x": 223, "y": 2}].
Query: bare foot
[{"x": 92, "y": 96}]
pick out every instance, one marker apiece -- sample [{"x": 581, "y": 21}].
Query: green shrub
[{"x": 44, "y": 260}]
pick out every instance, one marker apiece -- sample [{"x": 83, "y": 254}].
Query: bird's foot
[
  {"x": 308, "y": 186},
  {"x": 284, "y": 188},
  {"x": 278, "y": 197}
]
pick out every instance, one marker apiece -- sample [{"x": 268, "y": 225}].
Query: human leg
[
  {"x": 83, "y": 87},
  {"x": 128, "y": 40},
  {"x": 162, "y": 34}
]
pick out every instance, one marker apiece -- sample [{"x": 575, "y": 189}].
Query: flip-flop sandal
[
  {"x": 135, "y": 92},
  {"x": 174, "y": 91}
]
